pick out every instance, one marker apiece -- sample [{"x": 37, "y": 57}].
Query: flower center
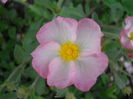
[
  {"x": 131, "y": 36},
  {"x": 69, "y": 51}
]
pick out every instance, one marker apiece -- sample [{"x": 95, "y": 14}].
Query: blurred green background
[{"x": 19, "y": 22}]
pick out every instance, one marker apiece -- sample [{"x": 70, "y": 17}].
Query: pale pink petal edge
[
  {"x": 124, "y": 37},
  {"x": 35, "y": 66},
  {"x": 97, "y": 27},
  {"x": 41, "y": 31},
  {"x": 128, "y": 19},
  {"x": 93, "y": 81},
  {"x": 3, "y": 1}
]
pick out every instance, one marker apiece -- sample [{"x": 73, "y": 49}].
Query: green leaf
[
  {"x": 70, "y": 95},
  {"x": 105, "y": 79},
  {"x": 89, "y": 96},
  {"x": 7, "y": 48},
  {"x": 61, "y": 92},
  {"x": 3, "y": 26},
  {"x": 109, "y": 2},
  {"x": 29, "y": 41},
  {"x": 40, "y": 87},
  {"x": 87, "y": 8},
  {"x": 8, "y": 96},
  {"x": 111, "y": 48},
  {"x": 21, "y": 56},
  {"x": 46, "y": 3},
  {"x": 128, "y": 7},
  {"x": 120, "y": 80},
  {"x": 73, "y": 12},
  {"x": 37, "y": 97},
  {"x": 30, "y": 36},
  {"x": 116, "y": 11},
  {"x": 111, "y": 29},
  {"x": 30, "y": 73},
  {"x": 12, "y": 32},
  {"x": 36, "y": 9},
  {"x": 111, "y": 93},
  {"x": 95, "y": 16}
]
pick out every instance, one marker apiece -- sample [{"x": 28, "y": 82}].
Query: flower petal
[
  {"x": 88, "y": 69},
  {"x": 60, "y": 73},
  {"x": 3, "y": 1},
  {"x": 124, "y": 35},
  {"x": 129, "y": 22},
  {"x": 60, "y": 30},
  {"x": 125, "y": 40},
  {"x": 42, "y": 56},
  {"x": 88, "y": 36}
]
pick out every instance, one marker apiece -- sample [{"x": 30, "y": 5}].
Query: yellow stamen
[
  {"x": 131, "y": 36},
  {"x": 69, "y": 51}
]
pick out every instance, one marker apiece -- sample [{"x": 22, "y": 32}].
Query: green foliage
[
  {"x": 73, "y": 12},
  {"x": 19, "y": 22},
  {"x": 20, "y": 54},
  {"x": 127, "y": 4}
]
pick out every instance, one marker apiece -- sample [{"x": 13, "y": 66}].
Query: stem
[
  {"x": 32, "y": 86},
  {"x": 120, "y": 70},
  {"x": 131, "y": 76},
  {"x": 11, "y": 75},
  {"x": 59, "y": 4},
  {"x": 16, "y": 69},
  {"x": 111, "y": 34},
  {"x": 35, "y": 81}
]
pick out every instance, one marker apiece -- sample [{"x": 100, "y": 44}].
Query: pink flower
[
  {"x": 129, "y": 67},
  {"x": 126, "y": 35},
  {"x": 3, "y": 1},
  {"x": 131, "y": 56},
  {"x": 70, "y": 53}
]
